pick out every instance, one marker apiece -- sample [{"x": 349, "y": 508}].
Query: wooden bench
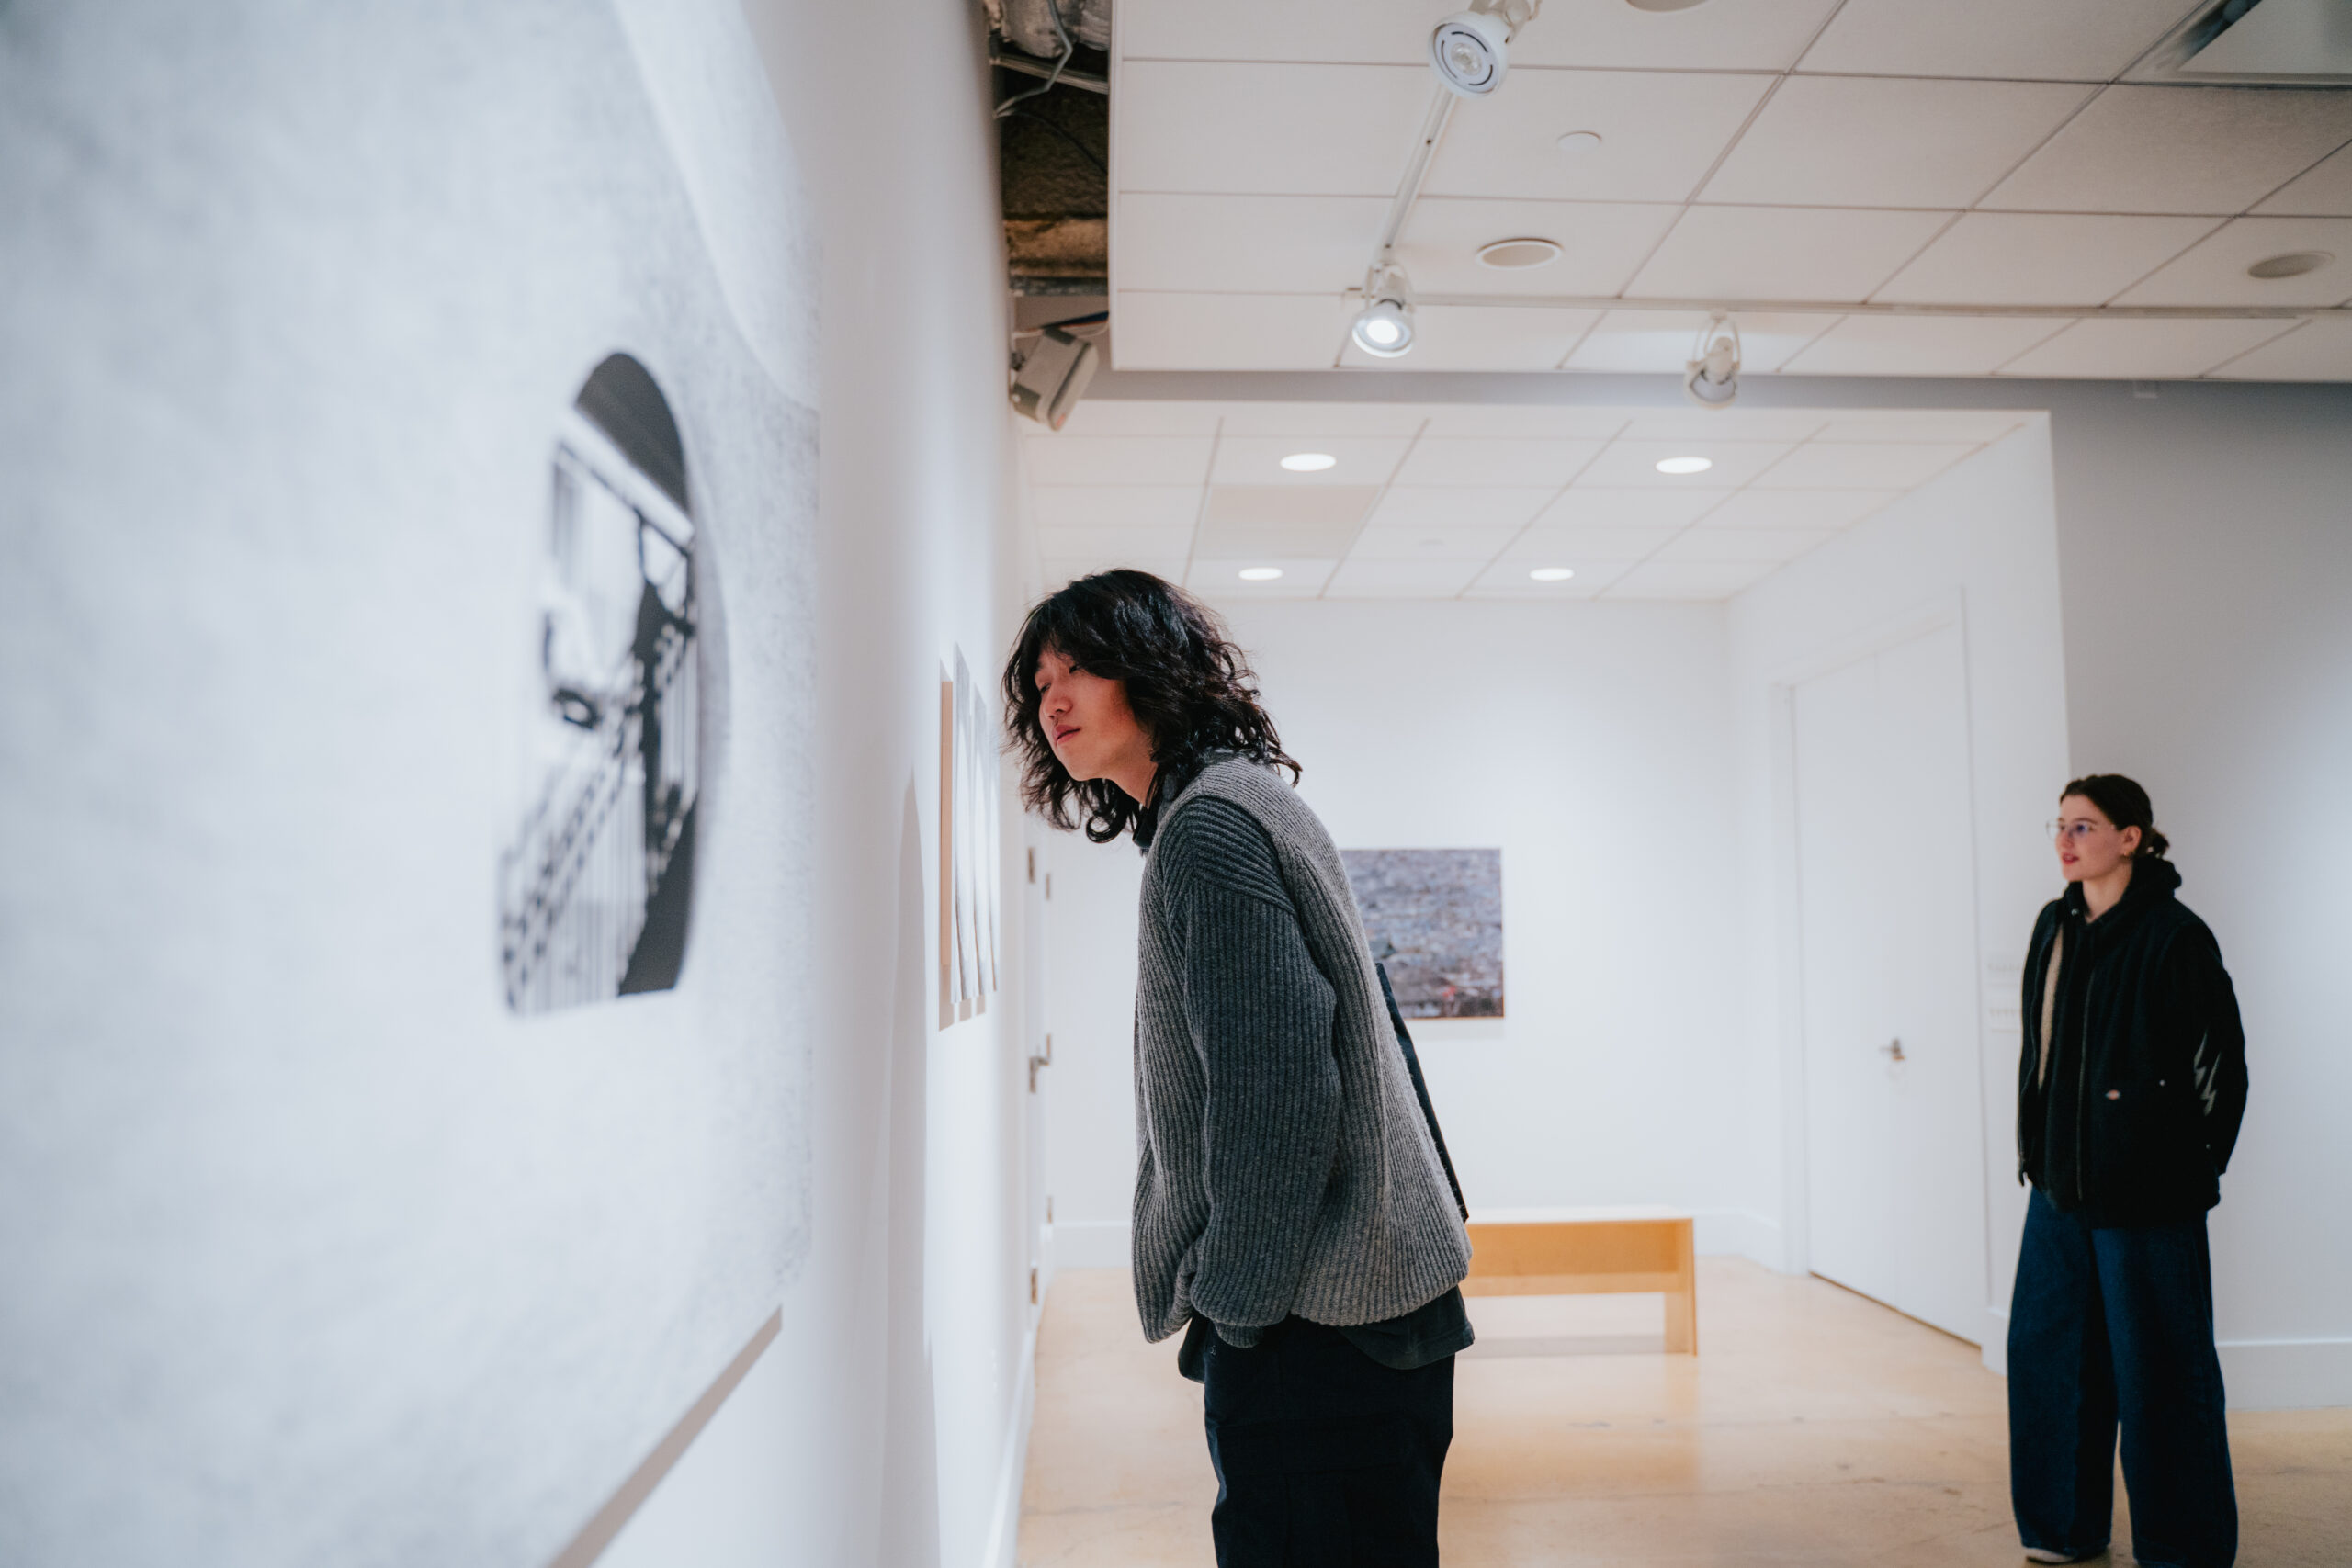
[{"x": 1563, "y": 1252}]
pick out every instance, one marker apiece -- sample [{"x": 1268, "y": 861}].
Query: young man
[{"x": 1291, "y": 1213}]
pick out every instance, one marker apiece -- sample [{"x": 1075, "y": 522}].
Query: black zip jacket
[{"x": 2135, "y": 1119}]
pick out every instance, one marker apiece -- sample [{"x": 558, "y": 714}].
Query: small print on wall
[
  {"x": 967, "y": 847},
  {"x": 595, "y": 887},
  {"x": 1435, "y": 919}
]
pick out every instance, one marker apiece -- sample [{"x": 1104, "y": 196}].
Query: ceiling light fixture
[
  {"x": 1383, "y": 328},
  {"x": 2294, "y": 263},
  {"x": 1471, "y": 49},
  {"x": 1685, "y": 464},
  {"x": 1664, "y": 5},
  {"x": 1552, "y": 573},
  {"x": 1309, "y": 462},
  {"x": 1517, "y": 256},
  {"x": 1260, "y": 573},
  {"x": 1710, "y": 378},
  {"x": 1580, "y": 141}
]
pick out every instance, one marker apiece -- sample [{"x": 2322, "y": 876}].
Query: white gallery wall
[
  {"x": 316, "y": 1251},
  {"x": 1976, "y": 548}
]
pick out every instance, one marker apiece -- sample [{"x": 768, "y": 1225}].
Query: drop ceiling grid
[
  {"x": 1171, "y": 26},
  {"x": 1797, "y": 515}
]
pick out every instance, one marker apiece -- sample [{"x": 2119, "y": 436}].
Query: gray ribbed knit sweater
[{"x": 1284, "y": 1167}]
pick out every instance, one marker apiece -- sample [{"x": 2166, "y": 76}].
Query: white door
[{"x": 1885, "y": 866}]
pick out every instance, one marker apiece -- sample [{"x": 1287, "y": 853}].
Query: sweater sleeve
[
  {"x": 2200, "y": 991},
  {"x": 1260, "y": 1015}
]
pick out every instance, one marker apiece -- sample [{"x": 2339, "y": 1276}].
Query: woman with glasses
[{"x": 2129, "y": 1091}]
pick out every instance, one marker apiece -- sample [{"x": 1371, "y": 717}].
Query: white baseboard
[
  {"x": 1734, "y": 1232},
  {"x": 1004, "y": 1528},
  {"x": 2287, "y": 1374},
  {"x": 1091, "y": 1244}
]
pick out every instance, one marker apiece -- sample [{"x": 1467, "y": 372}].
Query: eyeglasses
[{"x": 2058, "y": 828}]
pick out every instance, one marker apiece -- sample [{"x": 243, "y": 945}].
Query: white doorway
[{"x": 1894, "y": 1108}]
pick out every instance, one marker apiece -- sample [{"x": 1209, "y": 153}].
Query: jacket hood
[{"x": 2150, "y": 880}]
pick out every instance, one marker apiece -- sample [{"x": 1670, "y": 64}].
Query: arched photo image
[{"x": 596, "y": 886}]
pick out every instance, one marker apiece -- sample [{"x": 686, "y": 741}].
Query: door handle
[{"x": 1892, "y": 1050}]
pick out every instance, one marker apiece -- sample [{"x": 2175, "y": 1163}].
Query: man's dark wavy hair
[{"x": 1189, "y": 687}]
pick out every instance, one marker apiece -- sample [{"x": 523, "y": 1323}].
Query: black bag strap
[{"x": 1420, "y": 1089}]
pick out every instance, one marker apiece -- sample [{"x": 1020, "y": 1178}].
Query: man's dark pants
[
  {"x": 1324, "y": 1458},
  {"x": 2112, "y": 1325}
]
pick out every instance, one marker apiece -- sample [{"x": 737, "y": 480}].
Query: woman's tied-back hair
[
  {"x": 1186, "y": 682},
  {"x": 2127, "y": 805}
]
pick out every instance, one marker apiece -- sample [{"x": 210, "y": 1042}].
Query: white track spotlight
[
  {"x": 1712, "y": 379},
  {"x": 1471, "y": 49},
  {"x": 1383, "y": 328},
  {"x": 1049, "y": 383}
]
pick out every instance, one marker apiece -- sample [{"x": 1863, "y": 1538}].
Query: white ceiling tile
[
  {"x": 1477, "y": 545},
  {"x": 1484, "y": 337},
  {"x": 1300, "y": 578},
  {"x": 1524, "y": 422},
  {"x": 1800, "y": 509},
  {"x": 1660, "y": 133},
  {"x": 2323, "y": 191},
  {"x": 2082, "y": 40},
  {"x": 1783, "y": 252},
  {"x": 1073, "y": 543},
  {"x": 1690, "y": 579},
  {"x": 1120, "y": 461},
  {"x": 2317, "y": 351},
  {"x": 1921, "y": 345},
  {"x": 1601, "y": 243},
  {"x": 2213, "y": 272},
  {"x": 1731, "y": 424},
  {"x": 1655, "y": 506},
  {"x": 1059, "y": 570},
  {"x": 1662, "y": 341},
  {"x": 1258, "y": 460},
  {"x": 1244, "y": 244},
  {"x": 1863, "y": 465},
  {"x": 1631, "y": 465},
  {"x": 1459, "y": 506},
  {"x": 1358, "y": 579},
  {"x": 1115, "y": 506},
  {"x": 1397, "y": 31},
  {"x": 1579, "y": 546},
  {"x": 1924, "y": 424},
  {"x": 1300, "y": 521},
  {"x": 1723, "y": 35},
  {"x": 1444, "y": 461},
  {"x": 1706, "y": 544},
  {"x": 1228, "y": 331},
  {"x": 1115, "y": 416},
  {"x": 1321, "y": 419},
  {"x": 1509, "y": 580},
  {"x": 2041, "y": 258},
  {"x": 2163, "y": 149},
  {"x": 1325, "y": 130},
  {"x": 1881, "y": 141},
  {"x": 2143, "y": 350}
]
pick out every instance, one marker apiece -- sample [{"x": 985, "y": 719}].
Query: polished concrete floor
[{"x": 1815, "y": 1427}]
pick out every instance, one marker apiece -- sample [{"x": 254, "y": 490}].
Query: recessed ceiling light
[
  {"x": 1685, "y": 464},
  {"x": 1664, "y": 5},
  {"x": 1260, "y": 573},
  {"x": 1516, "y": 256},
  {"x": 1309, "y": 462},
  {"x": 1580, "y": 141},
  {"x": 1552, "y": 573},
  {"x": 2294, "y": 263}
]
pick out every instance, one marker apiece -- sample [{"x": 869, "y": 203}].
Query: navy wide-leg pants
[
  {"x": 1324, "y": 1458},
  {"x": 2114, "y": 1328}
]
